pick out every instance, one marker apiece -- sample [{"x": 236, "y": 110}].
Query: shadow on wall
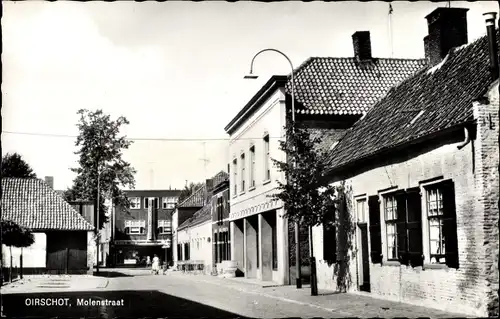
[{"x": 345, "y": 232}]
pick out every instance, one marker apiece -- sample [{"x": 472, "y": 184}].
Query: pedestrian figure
[
  {"x": 156, "y": 265},
  {"x": 148, "y": 261}
]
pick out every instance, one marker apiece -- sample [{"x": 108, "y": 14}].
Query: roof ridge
[{"x": 193, "y": 194}]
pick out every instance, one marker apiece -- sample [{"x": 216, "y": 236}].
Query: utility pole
[
  {"x": 499, "y": 164},
  {"x": 390, "y": 30}
]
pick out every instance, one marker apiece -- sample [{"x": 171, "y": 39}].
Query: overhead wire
[{"x": 139, "y": 138}]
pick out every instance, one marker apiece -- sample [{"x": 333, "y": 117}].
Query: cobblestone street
[{"x": 193, "y": 296}]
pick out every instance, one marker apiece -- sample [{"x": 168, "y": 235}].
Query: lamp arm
[{"x": 292, "y": 76}]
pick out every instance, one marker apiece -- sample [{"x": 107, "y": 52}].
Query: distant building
[
  {"x": 64, "y": 240},
  {"x": 144, "y": 229},
  {"x": 221, "y": 237}
]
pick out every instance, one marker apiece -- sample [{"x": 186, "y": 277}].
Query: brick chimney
[
  {"x": 362, "y": 45},
  {"x": 210, "y": 184},
  {"x": 447, "y": 29},
  {"x": 50, "y": 181}
]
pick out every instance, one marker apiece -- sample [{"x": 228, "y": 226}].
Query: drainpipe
[{"x": 467, "y": 139}]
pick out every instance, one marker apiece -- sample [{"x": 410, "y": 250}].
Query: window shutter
[
  {"x": 450, "y": 224},
  {"x": 329, "y": 243},
  {"x": 375, "y": 230},
  {"x": 146, "y": 203},
  {"x": 414, "y": 226},
  {"x": 401, "y": 228}
]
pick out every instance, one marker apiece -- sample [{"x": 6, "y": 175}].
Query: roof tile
[
  {"x": 440, "y": 96},
  {"x": 31, "y": 203}
]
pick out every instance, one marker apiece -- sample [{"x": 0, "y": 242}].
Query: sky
[{"x": 174, "y": 70}]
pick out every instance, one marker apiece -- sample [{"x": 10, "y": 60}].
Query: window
[
  {"x": 361, "y": 210},
  {"x": 135, "y": 227},
  {"x": 169, "y": 202},
  {"x": 391, "y": 215},
  {"x": 267, "y": 170},
  {"x": 164, "y": 226},
  {"x": 403, "y": 217},
  {"x": 186, "y": 251},
  {"x": 179, "y": 252},
  {"x": 252, "y": 166},
  {"x": 375, "y": 230},
  {"x": 235, "y": 178},
  {"x": 242, "y": 172},
  {"x": 441, "y": 216},
  {"x": 135, "y": 202},
  {"x": 216, "y": 248},
  {"x": 147, "y": 199}
]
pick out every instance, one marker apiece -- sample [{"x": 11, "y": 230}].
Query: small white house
[{"x": 194, "y": 238}]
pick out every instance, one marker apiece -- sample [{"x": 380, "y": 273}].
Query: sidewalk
[
  {"x": 345, "y": 304},
  {"x": 50, "y": 283}
]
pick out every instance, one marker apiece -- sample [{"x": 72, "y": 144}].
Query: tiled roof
[
  {"x": 345, "y": 86},
  {"x": 327, "y": 137},
  {"x": 220, "y": 177},
  {"x": 433, "y": 100},
  {"x": 197, "y": 199},
  {"x": 31, "y": 203},
  {"x": 199, "y": 217}
]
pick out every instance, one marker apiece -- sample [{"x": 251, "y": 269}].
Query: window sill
[
  {"x": 267, "y": 181},
  {"x": 242, "y": 193},
  {"x": 251, "y": 188},
  {"x": 435, "y": 266},
  {"x": 234, "y": 196}
]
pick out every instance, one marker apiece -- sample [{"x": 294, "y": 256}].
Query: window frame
[
  {"x": 391, "y": 222},
  {"x": 267, "y": 155},
  {"x": 130, "y": 199},
  {"x": 252, "y": 182},
  {"x": 243, "y": 171},
  {"x": 235, "y": 177},
  {"x": 165, "y": 202}
]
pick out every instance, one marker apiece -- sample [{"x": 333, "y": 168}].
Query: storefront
[{"x": 259, "y": 242}]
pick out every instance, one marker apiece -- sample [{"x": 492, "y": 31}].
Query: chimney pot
[
  {"x": 362, "y": 45},
  {"x": 50, "y": 181},
  {"x": 447, "y": 29},
  {"x": 490, "y": 19}
]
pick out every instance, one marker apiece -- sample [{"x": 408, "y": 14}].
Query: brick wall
[
  {"x": 488, "y": 182},
  {"x": 472, "y": 288}
]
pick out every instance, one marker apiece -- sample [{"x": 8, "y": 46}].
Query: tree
[
  {"x": 13, "y": 165},
  {"x": 14, "y": 235},
  {"x": 306, "y": 198},
  {"x": 100, "y": 149},
  {"x": 189, "y": 190}
]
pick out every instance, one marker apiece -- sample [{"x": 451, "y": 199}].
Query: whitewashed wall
[{"x": 34, "y": 256}]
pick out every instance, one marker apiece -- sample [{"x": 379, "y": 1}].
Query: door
[{"x": 365, "y": 260}]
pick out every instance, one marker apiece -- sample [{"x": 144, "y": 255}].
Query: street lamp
[{"x": 298, "y": 274}]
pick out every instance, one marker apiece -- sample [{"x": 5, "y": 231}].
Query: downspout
[{"x": 467, "y": 139}]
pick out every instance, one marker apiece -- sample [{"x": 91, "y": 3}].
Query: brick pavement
[{"x": 346, "y": 304}]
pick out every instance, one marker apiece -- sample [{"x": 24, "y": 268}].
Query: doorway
[{"x": 364, "y": 257}]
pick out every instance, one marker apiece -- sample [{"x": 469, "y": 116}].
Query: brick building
[
  {"x": 421, "y": 224},
  {"x": 145, "y": 228},
  {"x": 221, "y": 237},
  {"x": 262, "y": 241}
]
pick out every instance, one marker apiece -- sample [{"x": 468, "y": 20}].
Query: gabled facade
[
  {"x": 330, "y": 95},
  {"x": 64, "y": 240},
  {"x": 422, "y": 221}
]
